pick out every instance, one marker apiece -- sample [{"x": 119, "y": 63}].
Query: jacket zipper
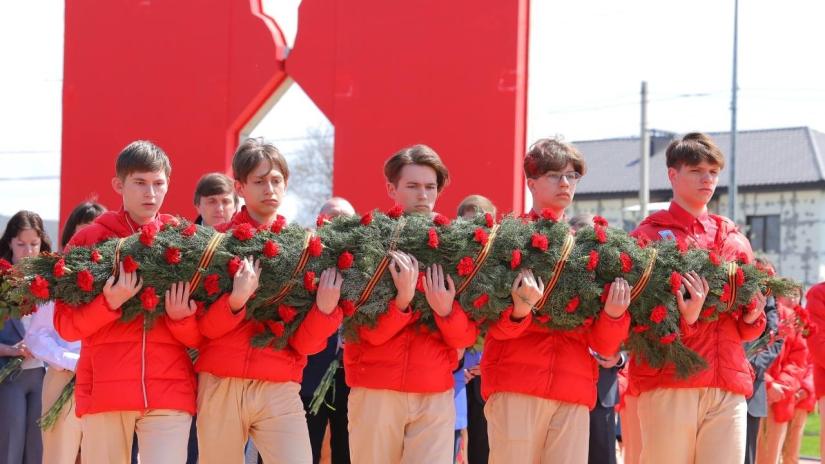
[{"x": 143, "y": 369}]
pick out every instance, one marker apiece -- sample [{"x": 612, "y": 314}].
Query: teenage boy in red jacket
[
  {"x": 244, "y": 390},
  {"x": 701, "y": 418},
  {"x": 131, "y": 377},
  {"x": 401, "y": 405},
  {"x": 540, "y": 384}
]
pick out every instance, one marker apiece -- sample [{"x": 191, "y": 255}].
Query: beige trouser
[
  {"x": 769, "y": 441},
  {"x": 793, "y": 439},
  {"x": 61, "y": 442},
  {"x": 528, "y": 429},
  {"x": 391, "y": 427},
  {"x": 163, "y": 435},
  {"x": 693, "y": 425},
  {"x": 631, "y": 430},
  {"x": 232, "y": 409}
]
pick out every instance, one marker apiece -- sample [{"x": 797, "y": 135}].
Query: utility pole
[
  {"x": 644, "y": 165},
  {"x": 732, "y": 187}
]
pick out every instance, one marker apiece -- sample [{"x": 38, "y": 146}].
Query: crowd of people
[{"x": 516, "y": 392}]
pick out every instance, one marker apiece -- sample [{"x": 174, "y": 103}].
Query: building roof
[{"x": 764, "y": 158}]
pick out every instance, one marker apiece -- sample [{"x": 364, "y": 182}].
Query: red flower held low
[
  {"x": 675, "y": 282},
  {"x": 148, "y": 234},
  {"x": 278, "y": 225},
  {"x": 740, "y": 277},
  {"x": 212, "y": 284},
  {"x": 85, "y": 280},
  {"x": 59, "y": 269},
  {"x": 287, "y": 313},
  {"x": 39, "y": 287},
  {"x": 189, "y": 230},
  {"x": 539, "y": 241},
  {"x": 271, "y": 249},
  {"x": 244, "y": 231},
  {"x": 315, "y": 246},
  {"x": 129, "y": 264},
  {"x": 573, "y": 304},
  {"x": 419, "y": 284},
  {"x": 309, "y": 281},
  {"x": 627, "y": 262},
  {"x": 480, "y": 236},
  {"x": 593, "y": 260},
  {"x": 345, "y": 260},
  {"x": 658, "y": 314},
  {"x": 95, "y": 256},
  {"x": 515, "y": 259},
  {"x": 432, "y": 238},
  {"x": 172, "y": 255},
  {"x": 465, "y": 266},
  {"x": 348, "y": 308},
  {"x": 601, "y": 235},
  {"x": 233, "y": 265},
  {"x": 489, "y": 220},
  {"x": 149, "y": 299},
  {"x": 714, "y": 258},
  {"x": 482, "y": 300}
]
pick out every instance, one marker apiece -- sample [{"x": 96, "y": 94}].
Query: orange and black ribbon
[
  {"x": 479, "y": 261},
  {"x": 732, "y": 267},
  {"x": 645, "y": 278},
  {"x": 382, "y": 265},
  {"x": 566, "y": 249},
  {"x": 116, "y": 260},
  {"x": 206, "y": 259},
  {"x": 299, "y": 268}
]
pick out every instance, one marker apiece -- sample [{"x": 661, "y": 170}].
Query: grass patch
[{"x": 810, "y": 437}]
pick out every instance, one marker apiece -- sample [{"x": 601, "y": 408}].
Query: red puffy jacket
[
  {"x": 809, "y": 402},
  {"x": 815, "y": 305},
  {"x": 399, "y": 354},
  {"x": 523, "y": 357},
  {"x": 228, "y": 350},
  {"x": 123, "y": 366},
  {"x": 718, "y": 342},
  {"x": 788, "y": 369}
]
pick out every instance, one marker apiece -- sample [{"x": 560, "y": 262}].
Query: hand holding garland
[
  {"x": 116, "y": 293},
  {"x": 329, "y": 290},
  {"x": 618, "y": 298},
  {"x": 526, "y": 292},
  {"x": 698, "y": 289},
  {"x": 751, "y": 316},
  {"x": 178, "y": 304},
  {"x": 439, "y": 296},
  {"x": 244, "y": 283},
  {"x": 404, "y": 271}
]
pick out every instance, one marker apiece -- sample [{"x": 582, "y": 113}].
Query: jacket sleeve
[
  {"x": 607, "y": 333},
  {"x": 313, "y": 333},
  {"x": 186, "y": 331},
  {"x": 815, "y": 305},
  {"x": 457, "y": 329},
  {"x": 45, "y": 344},
  {"x": 506, "y": 328},
  {"x": 793, "y": 366},
  {"x": 387, "y": 326},
  {"x": 76, "y": 323},
  {"x": 763, "y": 359},
  {"x": 219, "y": 318},
  {"x": 750, "y": 332}
]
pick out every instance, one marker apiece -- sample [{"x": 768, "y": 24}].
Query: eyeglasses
[{"x": 572, "y": 177}]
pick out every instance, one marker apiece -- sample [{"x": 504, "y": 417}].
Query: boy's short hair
[
  {"x": 693, "y": 149},
  {"x": 214, "y": 183},
  {"x": 142, "y": 156},
  {"x": 477, "y": 203},
  {"x": 551, "y": 154},
  {"x": 251, "y": 153},
  {"x": 421, "y": 155}
]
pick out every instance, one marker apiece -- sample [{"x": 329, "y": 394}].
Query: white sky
[{"x": 587, "y": 59}]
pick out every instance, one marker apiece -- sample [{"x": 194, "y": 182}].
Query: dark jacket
[
  {"x": 761, "y": 361},
  {"x": 317, "y": 366},
  {"x": 608, "y": 384},
  {"x": 11, "y": 333}
]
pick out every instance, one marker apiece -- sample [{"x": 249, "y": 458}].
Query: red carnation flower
[
  {"x": 668, "y": 339},
  {"x": 95, "y": 256},
  {"x": 601, "y": 235},
  {"x": 642, "y": 242},
  {"x": 480, "y": 236},
  {"x": 708, "y": 312},
  {"x": 5, "y": 265},
  {"x": 572, "y": 305},
  {"x": 170, "y": 221},
  {"x": 640, "y": 329},
  {"x": 481, "y": 301},
  {"x": 348, "y": 308},
  {"x": 714, "y": 258},
  {"x": 743, "y": 258},
  {"x": 148, "y": 234},
  {"x": 658, "y": 314},
  {"x": 233, "y": 265},
  {"x": 432, "y": 238},
  {"x": 395, "y": 212},
  {"x": 682, "y": 246},
  {"x": 627, "y": 262},
  {"x": 593, "y": 260},
  {"x": 543, "y": 318},
  {"x": 740, "y": 277},
  {"x": 675, "y": 282},
  {"x": 366, "y": 219},
  {"x": 489, "y": 220},
  {"x": 277, "y": 328},
  {"x": 726, "y": 294},
  {"x": 189, "y": 230},
  {"x": 465, "y": 266},
  {"x": 244, "y": 231},
  {"x": 599, "y": 221},
  {"x": 309, "y": 281},
  {"x": 441, "y": 220},
  {"x": 515, "y": 259},
  {"x": 547, "y": 214},
  {"x": 321, "y": 220},
  {"x": 539, "y": 241},
  {"x": 85, "y": 280},
  {"x": 315, "y": 246},
  {"x": 172, "y": 255},
  {"x": 271, "y": 249},
  {"x": 211, "y": 284},
  {"x": 345, "y": 260},
  {"x": 39, "y": 287},
  {"x": 287, "y": 313},
  {"x": 605, "y": 293},
  {"x": 278, "y": 225},
  {"x": 149, "y": 299},
  {"x": 59, "y": 269},
  {"x": 129, "y": 264},
  {"x": 419, "y": 284}
]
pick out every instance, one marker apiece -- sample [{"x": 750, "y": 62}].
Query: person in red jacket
[
  {"x": 131, "y": 377},
  {"x": 805, "y": 404},
  {"x": 783, "y": 380},
  {"x": 401, "y": 405},
  {"x": 701, "y": 418},
  {"x": 539, "y": 383},
  {"x": 815, "y": 305},
  {"x": 243, "y": 390}
]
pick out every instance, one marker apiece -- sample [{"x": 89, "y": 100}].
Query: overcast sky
[{"x": 587, "y": 59}]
